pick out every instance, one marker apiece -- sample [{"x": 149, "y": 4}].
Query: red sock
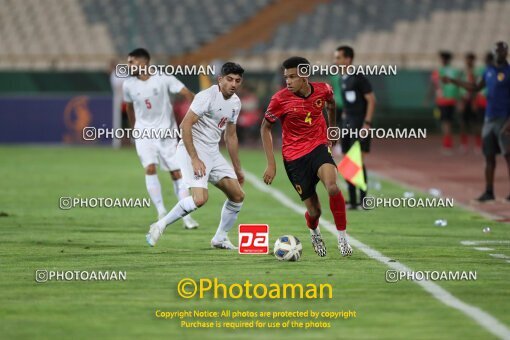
[
  {"x": 478, "y": 141},
  {"x": 311, "y": 222},
  {"x": 447, "y": 141},
  {"x": 464, "y": 140},
  {"x": 337, "y": 205}
]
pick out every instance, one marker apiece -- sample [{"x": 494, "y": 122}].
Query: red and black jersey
[{"x": 303, "y": 124}]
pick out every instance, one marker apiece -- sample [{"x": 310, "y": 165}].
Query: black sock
[
  {"x": 352, "y": 194},
  {"x": 363, "y": 194}
]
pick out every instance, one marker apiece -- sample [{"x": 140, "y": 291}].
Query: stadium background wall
[{"x": 53, "y": 107}]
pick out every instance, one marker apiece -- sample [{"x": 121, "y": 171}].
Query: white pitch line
[
  {"x": 483, "y": 248},
  {"x": 500, "y": 256},
  {"x": 375, "y": 174},
  {"x": 484, "y": 319},
  {"x": 474, "y": 243}
]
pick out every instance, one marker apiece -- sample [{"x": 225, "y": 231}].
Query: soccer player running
[
  {"x": 306, "y": 151},
  {"x": 212, "y": 112},
  {"x": 359, "y": 106},
  {"x": 496, "y": 127},
  {"x": 149, "y": 108}
]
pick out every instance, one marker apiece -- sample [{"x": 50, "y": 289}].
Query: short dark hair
[
  {"x": 232, "y": 68},
  {"x": 446, "y": 56},
  {"x": 140, "y": 53},
  {"x": 347, "y": 51},
  {"x": 489, "y": 58},
  {"x": 293, "y": 62},
  {"x": 470, "y": 56},
  {"x": 501, "y": 44}
]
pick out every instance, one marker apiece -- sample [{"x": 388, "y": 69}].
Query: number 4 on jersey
[{"x": 308, "y": 118}]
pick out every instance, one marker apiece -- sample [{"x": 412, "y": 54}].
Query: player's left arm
[
  {"x": 366, "y": 88},
  {"x": 331, "y": 111},
  {"x": 232, "y": 144},
  {"x": 330, "y": 106},
  {"x": 370, "y": 98},
  {"x": 176, "y": 86},
  {"x": 186, "y": 93}
]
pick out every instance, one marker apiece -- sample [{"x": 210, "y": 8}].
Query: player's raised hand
[
  {"x": 269, "y": 174},
  {"x": 198, "y": 167}
]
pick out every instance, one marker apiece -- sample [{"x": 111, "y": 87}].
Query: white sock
[
  {"x": 180, "y": 189},
  {"x": 181, "y": 209},
  {"x": 342, "y": 235},
  {"x": 229, "y": 214},
  {"x": 315, "y": 231},
  {"x": 154, "y": 190}
]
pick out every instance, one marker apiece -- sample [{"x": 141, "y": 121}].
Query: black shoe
[
  {"x": 353, "y": 207},
  {"x": 486, "y": 196},
  {"x": 508, "y": 198}
]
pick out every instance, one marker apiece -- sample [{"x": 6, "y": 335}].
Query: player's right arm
[
  {"x": 187, "y": 138},
  {"x": 131, "y": 114},
  {"x": 267, "y": 143},
  {"x": 431, "y": 88},
  {"x": 129, "y": 105},
  {"x": 464, "y": 84},
  {"x": 274, "y": 111}
]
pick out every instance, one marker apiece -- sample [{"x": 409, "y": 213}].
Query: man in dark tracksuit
[{"x": 359, "y": 106}]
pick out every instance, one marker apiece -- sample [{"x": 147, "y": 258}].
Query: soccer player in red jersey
[{"x": 306, "y": 149}]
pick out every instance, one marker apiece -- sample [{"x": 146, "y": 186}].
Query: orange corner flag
[{"x": 351, "y": 167}]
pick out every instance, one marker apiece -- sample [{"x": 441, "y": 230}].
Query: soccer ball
[{"x": 288, "y": 248}]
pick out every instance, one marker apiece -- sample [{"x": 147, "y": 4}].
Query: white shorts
[
  {"x": 157, "y": 151},
  {"x": 216, "y": 167}
]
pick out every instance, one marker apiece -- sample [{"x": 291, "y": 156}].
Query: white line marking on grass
[
  {"x": 484, "y": 319},
  {"x": 500, "y": 256},
  {"x": 483, "y": 248},
  {"x": 375, "y": 174},
  {"x": 474, "y": 243}
]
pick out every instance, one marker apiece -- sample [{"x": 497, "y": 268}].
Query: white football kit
[
  {"x": 215, "y": 113},
  {"x": 153, "y": 110}
]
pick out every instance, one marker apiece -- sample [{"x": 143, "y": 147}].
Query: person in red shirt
[{"x": 306, "y": 149}]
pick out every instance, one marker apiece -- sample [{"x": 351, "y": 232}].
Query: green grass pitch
[{"x": 36, "y": 234}]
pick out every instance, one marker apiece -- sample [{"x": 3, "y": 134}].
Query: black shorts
[
  {"x": 494, "y": 140},
  {"x": 471, "y": 117},
  {"x": 447, "y": 113},
  {"x": 354, "y": 123},
  {"x": 302, "y": 172}
]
